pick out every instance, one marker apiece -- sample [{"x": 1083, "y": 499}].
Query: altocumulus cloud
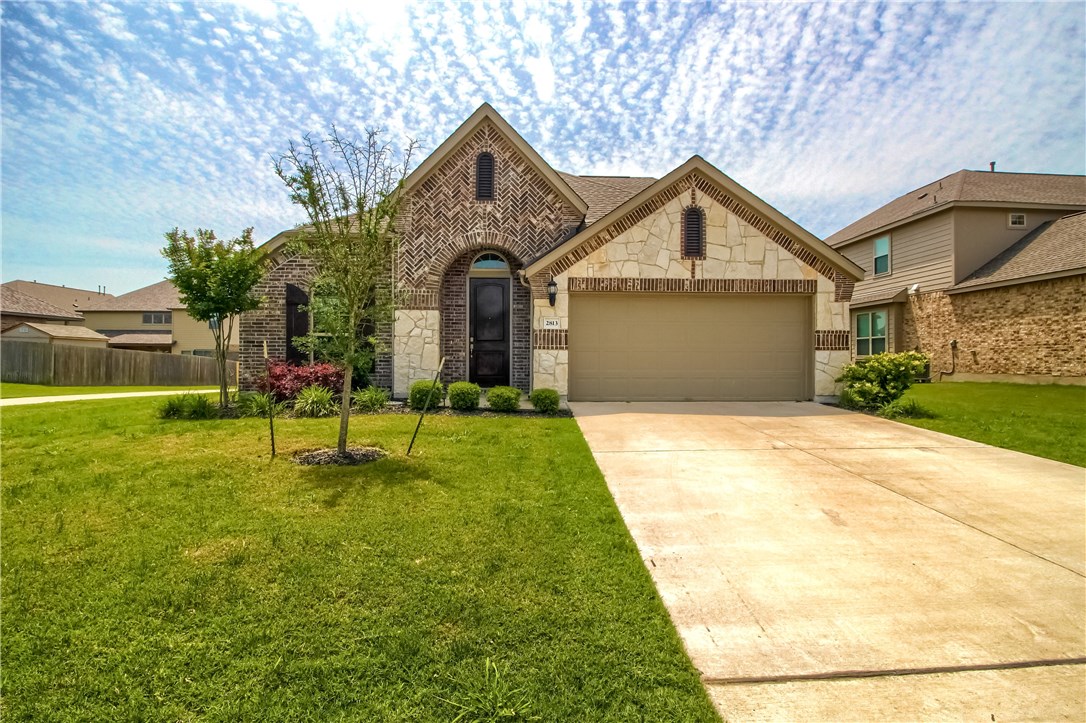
[{"x": 121, "y": 121}]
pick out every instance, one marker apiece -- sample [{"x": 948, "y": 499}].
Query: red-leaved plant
[{"x": 285, "y": 380}]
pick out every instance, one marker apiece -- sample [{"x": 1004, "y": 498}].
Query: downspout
[
  {"x": 953, "y": 360},
  {"x": 523, "y": 279}
]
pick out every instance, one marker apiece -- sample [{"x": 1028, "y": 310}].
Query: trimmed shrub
[
  {"x": 873, "y": 382},
  {"x": 416, "y": 397},
  {"x": 315, "y": 401},
  {"x": 188, "y": 406},
  {"x": 370, "y": 399},
  {"x": 544, "y": 400},
  {"x": 906, "y": 409},
  {"x": 464, "y": 396},
  {"x": 286, "y": 380},
  {"x": 503, "y": 399}
]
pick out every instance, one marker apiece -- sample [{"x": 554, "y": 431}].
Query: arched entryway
[{"x": 485, "y": 321}]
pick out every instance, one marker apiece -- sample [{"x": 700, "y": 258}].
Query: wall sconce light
[{"x": 552, "y": 291}]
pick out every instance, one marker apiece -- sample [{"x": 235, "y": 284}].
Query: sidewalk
[{"x": 84, "y": 397}]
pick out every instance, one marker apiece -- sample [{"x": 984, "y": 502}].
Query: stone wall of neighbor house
[
  {"x": 739, "y": 258},
  {"x": 268, "y": 323},
  {"x": 443, "y": 227},
  {"x": 1036, "y": 329}
]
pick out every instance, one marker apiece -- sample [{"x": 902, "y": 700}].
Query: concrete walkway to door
[{"x": 825, "y": 565}]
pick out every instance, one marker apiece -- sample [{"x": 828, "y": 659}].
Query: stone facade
[
  {"x": 739, "y": 258},
  {"x": 1026, "y": 330}
]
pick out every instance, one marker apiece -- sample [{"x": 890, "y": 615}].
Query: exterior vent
[
  {"x": 484, "y": 177},
  {"x": 693, "y": 233}
]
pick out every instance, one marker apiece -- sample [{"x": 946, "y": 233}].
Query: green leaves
[
  {"x": 876, "y": 381},
  {"x": 215, "y": 278}
]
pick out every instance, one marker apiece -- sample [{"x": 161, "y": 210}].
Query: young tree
[
  {"x": 349, "y": 193},
  {"x": 216, "y": 280}
]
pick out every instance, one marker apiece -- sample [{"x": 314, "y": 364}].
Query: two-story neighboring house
[
  {"x": 152, "y": 319},
  {"x": 984, "y": 271}
]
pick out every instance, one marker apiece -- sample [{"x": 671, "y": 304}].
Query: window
[
  {"x": 693, "y": 233},
  {"x": 1016, "y": 220},
  {"x": 484, "y": 177},
  {"x": 297, "y": 322},
  {"x": 882, "y": 255},
  {"x": 870, "y": 333},
  {"x": 157, "y": 317},
  {"x": 490, "y": 262}
]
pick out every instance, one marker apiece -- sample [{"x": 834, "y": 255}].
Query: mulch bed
[{"x": 353, "y": 455}]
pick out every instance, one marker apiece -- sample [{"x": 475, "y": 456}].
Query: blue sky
[{"x": 121, "y": 121}]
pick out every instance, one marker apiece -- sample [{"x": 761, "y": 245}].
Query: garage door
[{"x": 643, "y": 347}]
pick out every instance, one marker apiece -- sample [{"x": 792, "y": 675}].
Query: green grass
[
  {"x": 10, "y": 390},
  {"x": 168, "y": 570},
  {"x": 1043, "y": 420}
]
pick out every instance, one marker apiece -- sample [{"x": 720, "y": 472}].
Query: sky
[{"x": 122, "y": 121}]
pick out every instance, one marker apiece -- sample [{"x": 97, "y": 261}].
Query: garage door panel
[{"x": 643, "y": 347}]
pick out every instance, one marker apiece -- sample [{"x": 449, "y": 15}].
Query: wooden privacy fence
[{"x": 29, "y": 362}]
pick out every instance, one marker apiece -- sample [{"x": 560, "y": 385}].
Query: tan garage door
[{"x": 642, "y": 347}]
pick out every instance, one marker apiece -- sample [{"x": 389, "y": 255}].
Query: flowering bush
[
  {"x": 876, "y": 381},
  {"x": 285, "y": 380}
]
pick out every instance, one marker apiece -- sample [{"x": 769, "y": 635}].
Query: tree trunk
[
  {"x": 220, "y": 359},
  {"x": 345, "y": 409}
]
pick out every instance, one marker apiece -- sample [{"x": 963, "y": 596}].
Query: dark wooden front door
[{"x": 488, "y": 330}]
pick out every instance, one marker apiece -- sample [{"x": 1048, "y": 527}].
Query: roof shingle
[
  {"x": 970, "y": 187},
  {"x": 604, "y": 194},
  {"x": 16, "y": 302},
  {"x": 162, "y": 296},
  {"x": 1051, "y": 248},
  {"x": 59, "y": 331}
]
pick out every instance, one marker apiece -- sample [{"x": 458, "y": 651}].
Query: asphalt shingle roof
[
  {"x": 1050, "y": 248},
  {"x": 970, "y": 186},
  {"x": 162, "y": 296},
  {"x": 16, "y": 302},
  {"x": 60, "y": 331},
  {"x": 66, "y": 297},
  {"x": 604, "y": 194},
  {"x": 141, "y": 339}
]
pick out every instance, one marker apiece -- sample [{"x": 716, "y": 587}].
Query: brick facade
[{"x": 1036, "y": 329}]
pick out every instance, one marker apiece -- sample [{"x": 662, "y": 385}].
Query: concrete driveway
[{"x": 825, "y": 565}]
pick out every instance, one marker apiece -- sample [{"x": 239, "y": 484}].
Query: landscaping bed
[{"x": 169, "y": 570}]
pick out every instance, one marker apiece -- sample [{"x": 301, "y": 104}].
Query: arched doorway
[{"x": 489, "y": 320}]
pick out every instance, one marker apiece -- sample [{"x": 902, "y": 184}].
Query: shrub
[
  {"x": 464, "y": 396},
  {"x": 315, "y": 401},
  {"x": 420, "y": 390},
  {"x": 544, "y": 400},
  {"x": 188, "y": 406},
  {"x": 285, "y": 380},
  {"x": 370, "y": 399},
  {"x": 907, "y": 409},
  {"x": 255, "y": 404},
  {"x": 503, "y": 399},
  {"x": 878, "y": 380}
]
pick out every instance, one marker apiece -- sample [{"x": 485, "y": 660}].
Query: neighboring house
[
  {"x": 983, "y": 271},
  {"x": 66, "y": 297},
  {"x": 603, "y": 288},
  {"x": 56, "y": 334},
  {"x": 17, "y": 307},
  {"x": 153, "y": 319}
]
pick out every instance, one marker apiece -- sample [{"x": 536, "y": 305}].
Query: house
[
  {"x": 56, "y": 334},
  {"x": 66, "y": 297},
  {"x": 603, "y": 288},
  {"x": 17, "y": 307},
  {"x": 152, "y": 319},
  {"x": 984, "y": 271}
]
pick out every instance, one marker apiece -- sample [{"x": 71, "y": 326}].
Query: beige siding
[
  {"x": 981, "y": 234},
  {"x": 120, "y": 321},
  {"x": 190, "y": 335},
  {"x": 920, "y": 253}
]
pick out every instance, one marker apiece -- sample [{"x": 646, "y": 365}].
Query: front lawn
[
  {"x": 11, "y": 390},
  {"x": 1043, "y": 420},
  {"x": 168, "y": 570}
]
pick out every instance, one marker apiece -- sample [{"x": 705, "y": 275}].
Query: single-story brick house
[
  {"x": 984, "y": 271},
  {"x": 687, "y": 287}
]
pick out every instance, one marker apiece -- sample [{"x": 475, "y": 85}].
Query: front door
[{"x": 488, "y": 332}]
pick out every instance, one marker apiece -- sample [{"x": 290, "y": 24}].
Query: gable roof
[
  {"x": 969, "y": 188},
  {"x": 482, "y": 114},
  {"x": 66, "y": 297},
  {"x": 13, "y": 301},
  {"x": 605, "y": 193},
  {"x": 1056, "y": 248},
  {"x": 59, "y": 331},
  {"x": 741, "y": 194},
  {"x": 162, "y": 296}
]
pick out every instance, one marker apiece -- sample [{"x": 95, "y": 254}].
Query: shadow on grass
[{"x": 339, "y": 480}]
